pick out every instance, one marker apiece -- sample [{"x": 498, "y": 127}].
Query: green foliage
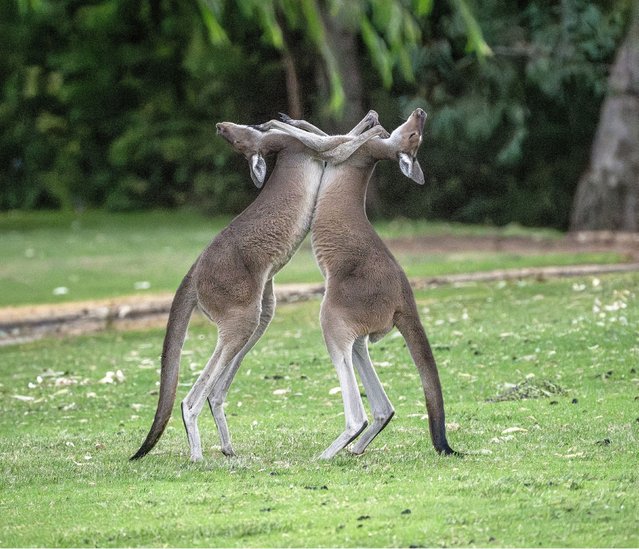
[
  {"x": 508, "y": 138},
  {"x": 389, "y": 30},
  {"x": 112, "y": 103}
]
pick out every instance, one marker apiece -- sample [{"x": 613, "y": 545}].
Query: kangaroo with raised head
[
  {"x": 232, "y": 280},
  {"x": 367, "y": 292}
]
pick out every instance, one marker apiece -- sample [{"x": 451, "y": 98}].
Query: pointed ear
[
  {"x": 258, "y": 169},
  {"x": 418, "y": 174},
  {"x": 411, "y": 168}
]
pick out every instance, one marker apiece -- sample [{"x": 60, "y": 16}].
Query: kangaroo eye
[{"x": 411, "y": 135}]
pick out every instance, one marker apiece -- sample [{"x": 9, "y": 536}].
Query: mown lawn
[
  {"x": 50, "y": 258},
  {"x": 557, "y": 470}
]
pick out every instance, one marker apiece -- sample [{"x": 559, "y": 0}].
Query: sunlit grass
[
  {"x": 404, "y": 228},
  {"x": 554, "y": 471},
  {"x": 52, "y": 257}
]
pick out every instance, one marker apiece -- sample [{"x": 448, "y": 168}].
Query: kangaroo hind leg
[
  {"x": 340, "y": 349},
  {"x": 234, "y": 331},
  {"x": 220, "y": 390},
  {"x": 381, "y": 406}
]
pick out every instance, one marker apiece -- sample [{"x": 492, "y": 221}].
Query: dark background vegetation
[{"x": 113, "y": 103}]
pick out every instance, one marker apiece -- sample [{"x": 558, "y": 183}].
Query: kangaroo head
[
  {"x": 405, "y": 140},
  {"x": 246, "y": 141}
]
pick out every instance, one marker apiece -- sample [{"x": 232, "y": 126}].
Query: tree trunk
[
  {"x": 293, "y": 94},
  {"x": 342, "y": 39},
  {"x": 607, "y": 196}
]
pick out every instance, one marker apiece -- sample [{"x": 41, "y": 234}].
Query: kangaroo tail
[
  {"x": 182, "y": 307},
  {"x": 411, "y": 328}
]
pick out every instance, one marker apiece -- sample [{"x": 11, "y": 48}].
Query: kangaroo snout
[{"x": 419, "y": 116}]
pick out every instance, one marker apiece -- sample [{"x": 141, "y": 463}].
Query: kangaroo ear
[
  {"x": 411, "y": 168},
  {"x": 258, "y": 169},
  {"x": 418, "y": 174}
]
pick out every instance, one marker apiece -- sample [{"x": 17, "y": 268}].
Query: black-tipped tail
[
  {"x": 181, "y": 309},
  {"x": 411, "y": 328}
]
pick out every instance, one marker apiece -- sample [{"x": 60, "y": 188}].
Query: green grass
[
  {"x": 565, "y": 476},
  {"x": 100, "y": 255},
  {"x": 96, "y": 254},
  {"x": 403, "y": 228}
]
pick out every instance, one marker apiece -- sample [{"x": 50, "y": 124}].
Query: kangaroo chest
[
  {"x": 340, "y": 229},
  {"x": 290, "y": 218}
]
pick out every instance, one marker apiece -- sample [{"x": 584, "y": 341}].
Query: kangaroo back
[
  {"x": 411, "y": 328},
  {"x": 182, "y": 307}
]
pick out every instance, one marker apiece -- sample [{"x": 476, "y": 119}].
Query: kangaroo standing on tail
[
  {"x": 232, "y": 280},
  {"x": 367, "y": 292}
]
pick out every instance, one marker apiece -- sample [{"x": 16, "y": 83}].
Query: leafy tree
[
  {"x": 112, "y": 103},
  {"x": 389, "y": 29},
  {"x": 508, "y": 138}
]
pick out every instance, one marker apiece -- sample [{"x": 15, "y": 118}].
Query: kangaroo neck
[
  {"x": 342, "y": 194},
  {"x": 277, "y": 221},
  {"x": 295, "y": 173},
  {"x": 340, "y": 226},
  {"x": 291, "y": 190}
]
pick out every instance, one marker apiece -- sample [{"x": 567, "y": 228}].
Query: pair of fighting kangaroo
[{"x": 318, "y": 184}]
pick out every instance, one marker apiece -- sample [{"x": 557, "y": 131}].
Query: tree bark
[
  {"x": 295, "y": 108},
  {"x": 342, "y": 39},
  {"x": 607, "y": 196}
]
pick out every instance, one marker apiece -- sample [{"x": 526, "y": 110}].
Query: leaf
[
  {"x": 113, "y": 377},
  {"x": 272, "y": 31},
  {"x": 405, "y": 63},
  {"x": 422, "y": 7},
  {"x": 217, "y": 35},
  {"x": 315, "y": 29},
  {"x": 313, "y": 19},
  {"x": 475, "y": 43},
  {"x": 378, "y": 51},
  {"x": 338, "y": 97},
  {"x": 570, "y": 456}
]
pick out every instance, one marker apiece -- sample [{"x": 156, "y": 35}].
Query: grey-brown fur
[
  {"x": 231, "y": 281},
  {"x": 367, "y": 292}
]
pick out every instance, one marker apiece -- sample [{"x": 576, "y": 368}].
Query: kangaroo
[
  {"x": 232, "y": 280},
  {"x": 367, "y": 292}
]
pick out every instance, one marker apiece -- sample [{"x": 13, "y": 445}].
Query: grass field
[
  {"x": 556, "y": 470},
  {"x": 50, "y": 258}
]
